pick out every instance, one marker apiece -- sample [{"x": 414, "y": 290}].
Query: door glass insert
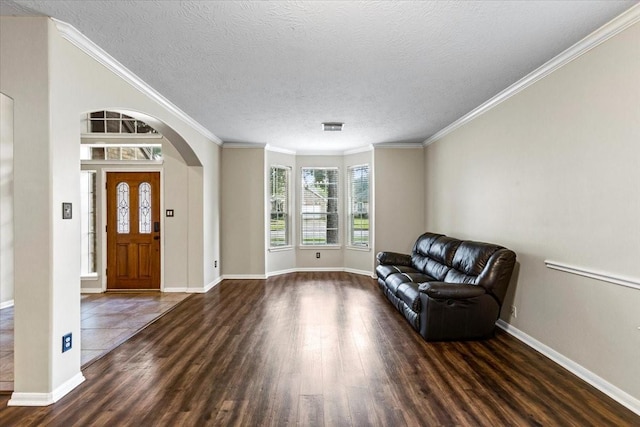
[
  {"x": 123, "y": 207},
  {"x": 144, "y": 202}
]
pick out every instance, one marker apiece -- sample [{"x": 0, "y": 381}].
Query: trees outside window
[
  {"x": 279, "y": 215},
  {"x": 319, "y": 207},
  {"x": 358, "y": 177}
]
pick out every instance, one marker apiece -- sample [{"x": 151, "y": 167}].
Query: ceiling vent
[{"x": 332, "y": 127}]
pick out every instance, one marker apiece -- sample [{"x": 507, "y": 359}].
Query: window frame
[
  {"x": 350, "y": 212},
  {"x": 88, "y": 223},
  {"x": 286, "y": 212},
  {"x": 337, "y": 213},
  {"x": 114, "y": 122}
]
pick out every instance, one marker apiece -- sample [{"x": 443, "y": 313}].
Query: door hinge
[{"x": 105, "y": 228}]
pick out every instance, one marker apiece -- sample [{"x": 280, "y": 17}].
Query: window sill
[
  {"x": 281, "y": 248},
  {"x": 319, "y": 247},
  {"x": 359, "y": 248}
]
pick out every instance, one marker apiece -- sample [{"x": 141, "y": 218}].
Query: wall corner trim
[
  {"x": 82, "y": 42},
  {"x": 602, "y": 34},
  {"x": 620, "y": 396},
  {"x": 45, "y": 399}
]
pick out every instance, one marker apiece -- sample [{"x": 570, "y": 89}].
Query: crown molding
[
  {"x": 319, "y": 153},
  {"x": 358, "y": 150},
  {"x": 244, "y": 145},
  {"x": 398, "y": 145},
  {"x": 273, "y": 149},
  {"x": 75, "y": 37},
  {"x": 610, "y": 29}
]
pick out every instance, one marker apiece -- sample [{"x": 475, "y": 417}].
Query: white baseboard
[
  {"x": 244, "y": 277},
  {"x": 316, "y": 269},
  {"x": 182, "y": 289},
  {"x": 581, "y": 372},
  {"x": 46, "y": 399},
  {"x": 6, "y": 304},
  {"x": 91, "y": 290},
  {"x": 360, "y": 272},
  {"x": 281, "y": 272},
  {"x": 213, "y": 284}
]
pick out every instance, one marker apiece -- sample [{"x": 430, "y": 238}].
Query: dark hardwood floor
[{"x": 316, "y": 349}]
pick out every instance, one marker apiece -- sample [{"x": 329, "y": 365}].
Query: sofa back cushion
[{"x": 462, "y": 261}]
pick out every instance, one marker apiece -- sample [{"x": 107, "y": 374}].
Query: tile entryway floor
[{"x": 107, "y": 320}]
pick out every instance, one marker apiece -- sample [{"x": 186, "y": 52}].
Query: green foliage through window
[
  {"x": 279, "y": 216},
  {"x": 319, "y": 206},
  {"x": 359, "y": 205}
]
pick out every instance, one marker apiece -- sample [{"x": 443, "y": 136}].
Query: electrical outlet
[
  {"x": 66, "y": 342},
  {"x": 215, "y": 264},
  {"x": 317, "y": 254},
  {"x": 514, "y": 311}
]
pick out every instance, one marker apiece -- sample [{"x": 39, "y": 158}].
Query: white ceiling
[{"x": 271, "y": 72}]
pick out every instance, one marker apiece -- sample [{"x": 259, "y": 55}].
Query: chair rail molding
[{"x": 628, "y": 282}]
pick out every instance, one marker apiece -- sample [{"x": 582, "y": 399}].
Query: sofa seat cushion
[
  {"x": 394, "y": 280},
  {"x": 384, "y": 271}
]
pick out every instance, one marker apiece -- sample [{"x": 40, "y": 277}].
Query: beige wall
[
  {"x": 175, "y": 247},
  {"x": 399, "y": 198},
  {"x": 243, "y": 216},
  {"x": 52, "y": 83},
  {"x": 24, "y": 77},
  {"x": 553, "y": 173}
]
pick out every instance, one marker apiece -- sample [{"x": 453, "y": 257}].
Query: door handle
[
  {"x": 156, "y": 237},
  {"x": 156, "y": 226}
]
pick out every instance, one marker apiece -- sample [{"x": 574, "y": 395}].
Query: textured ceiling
[{"x": 271, "y": 72}]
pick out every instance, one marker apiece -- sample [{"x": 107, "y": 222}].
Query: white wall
[
  {"x": 359, "y": 260},
  {"x": 6, "y": 201},
  {"x": 244, "y": 221},
  {"x": 281, "y": 260},
  {"x": 330, "y": 258},
  {"x": 553, "y": 173},
  {"x": 399, "y": 197}
]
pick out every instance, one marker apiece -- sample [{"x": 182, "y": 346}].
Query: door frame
[{"x": 103, "y": 217}]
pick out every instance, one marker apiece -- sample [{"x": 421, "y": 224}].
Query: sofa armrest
[
  {"x": 393, "y": 258},
  {"x": 443, "y": 290}
]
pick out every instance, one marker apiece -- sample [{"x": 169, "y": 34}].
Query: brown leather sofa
[{"x": 447, "y": 289}]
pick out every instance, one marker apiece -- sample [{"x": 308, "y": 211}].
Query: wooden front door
[{"x": 133, "y": 230}]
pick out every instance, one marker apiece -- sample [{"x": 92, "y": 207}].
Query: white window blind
[
  {"x": 319, "y": 206},
  {"x": 279, "y": 215},
  {"x": 358, "y": 177}
]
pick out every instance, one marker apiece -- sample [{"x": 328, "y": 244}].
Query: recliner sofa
[{"x": 447, "y": 289}]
